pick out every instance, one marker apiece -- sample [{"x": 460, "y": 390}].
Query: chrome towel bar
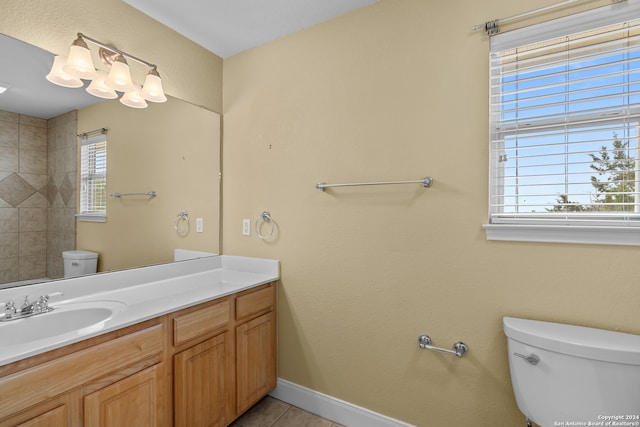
[
  {"x": 426, "y": 182},
  {"x": 459, "y": 348}
]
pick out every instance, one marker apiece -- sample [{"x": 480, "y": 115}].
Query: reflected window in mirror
[{"x": 93, "y": 178}]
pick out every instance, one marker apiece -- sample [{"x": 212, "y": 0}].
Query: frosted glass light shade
[
  {"x": 120, "y": 77},
  {"x": 152, "y": 89},
  {"x": 133, "y": 98},
  {"x": 58, "y": 76},
  {"x": 100, "y": 89},
  {"x": 79, "y": 63}
]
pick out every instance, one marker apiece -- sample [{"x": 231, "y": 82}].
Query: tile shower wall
[{"x": 37, "y": 194}]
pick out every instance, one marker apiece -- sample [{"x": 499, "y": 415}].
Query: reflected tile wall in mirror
[
  {"x": 61, "y": 194},
  {"x": 37, "y": 195}
]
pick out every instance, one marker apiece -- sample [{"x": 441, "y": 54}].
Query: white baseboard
[{"x": 331, "y": 408}]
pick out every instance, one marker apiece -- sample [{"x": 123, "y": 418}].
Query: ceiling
[
  {"x": 224, "y": 27},
  {"x": 227, "y": 27}
]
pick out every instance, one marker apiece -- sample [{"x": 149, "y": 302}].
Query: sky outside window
[{"x": 558, "y": 106}]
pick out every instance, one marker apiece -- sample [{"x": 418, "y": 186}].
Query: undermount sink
[{"x": 68, "y": 320}]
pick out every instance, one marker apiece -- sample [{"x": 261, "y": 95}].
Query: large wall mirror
[{"x": 172, "y": 149}]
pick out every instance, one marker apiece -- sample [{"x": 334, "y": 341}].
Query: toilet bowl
[
  {"x": 78, "y": 263},
  {"x": 572, "y": 375}
]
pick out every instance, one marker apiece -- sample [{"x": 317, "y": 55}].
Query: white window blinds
[
  {"x": 565, "y": 118},
  {"x": 93, "y": 177}
]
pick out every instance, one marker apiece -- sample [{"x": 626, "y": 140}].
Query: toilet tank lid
[
  {"x": 580, "y": 341},
  {"x": 79, "y": 254}
]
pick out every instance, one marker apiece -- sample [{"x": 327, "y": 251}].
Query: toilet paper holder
[{"x": 459, "y": 348}]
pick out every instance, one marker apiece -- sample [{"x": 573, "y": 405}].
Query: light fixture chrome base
[{"x": 107, "y": 56}]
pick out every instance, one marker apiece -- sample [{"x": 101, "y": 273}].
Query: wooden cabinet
[
  {"x": 255, "y": 360},
  {"x": 48, "y": 388},
  {"x": 219, "y": 378},
  {"x": 256, "y": 369},
  {"x": 203, "y": 383},
  {"x": 201, "y": 321},
  {"x": 136, "y": 400},
  {"x": 201, "y": 366}
]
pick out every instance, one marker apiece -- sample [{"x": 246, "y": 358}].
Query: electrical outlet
[
  {"x": 246, "y": 227},
  {"x": 198, "y": 225}
]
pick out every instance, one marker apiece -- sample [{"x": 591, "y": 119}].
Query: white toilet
[
  {"x": 563, "y": 373},
  {"x": 78, "y": 263}
]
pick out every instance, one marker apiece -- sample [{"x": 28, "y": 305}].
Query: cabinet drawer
[
  {"x": 255, "y": 302},
  {"x": 192, "y": 325}
]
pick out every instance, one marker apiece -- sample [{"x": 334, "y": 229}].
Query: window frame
[
  {"x": 595, "y": 229},
  {"x": 84, "y": 214}
]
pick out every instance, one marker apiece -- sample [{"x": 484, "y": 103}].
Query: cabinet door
[
  {"x": 203, "y": 383},
  {"x": 255, "y": 360},
  {"x": 136, "y": 400}
]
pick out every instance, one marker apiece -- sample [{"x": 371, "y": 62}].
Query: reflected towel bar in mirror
[{"x": 148, "y": 194}]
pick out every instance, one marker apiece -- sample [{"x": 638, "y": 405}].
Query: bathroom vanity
[{"x": 192, "y": 349}]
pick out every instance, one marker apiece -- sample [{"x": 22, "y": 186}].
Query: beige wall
[
  {"x": 396, "y": 91},
  {"x": 171, "y": 148},
  {"x": 188, "y": 71}
]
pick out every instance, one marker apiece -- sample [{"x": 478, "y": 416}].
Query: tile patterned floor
[{"x": 270, "y": 412}]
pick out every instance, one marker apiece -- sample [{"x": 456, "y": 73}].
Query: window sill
[
  {"x": 91, "y": 218},
  {"x": 600, "y": 235}
]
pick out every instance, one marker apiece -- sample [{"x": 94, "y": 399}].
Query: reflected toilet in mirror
[{"x": 78, "y": 263}]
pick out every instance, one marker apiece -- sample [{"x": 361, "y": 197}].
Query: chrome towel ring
[
  {"x": 265, "y": 217},
  {"x": 182, "y": 224}
]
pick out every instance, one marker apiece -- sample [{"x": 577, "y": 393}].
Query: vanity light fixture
[
  {"x": 120, "y": 77},
  {"x": 69, "y": 71},
  {"x": 133, "y": 98},
  {"x": 58, "y": 76},
  {"x": 79, "y": 63},
  {"x": 152, "y": 89},
  {"x": 99, "y": 88}
]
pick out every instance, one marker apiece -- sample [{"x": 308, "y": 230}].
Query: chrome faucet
[
  {"x": 28, "y": 308},
  {"x": 10, "y": 309}
]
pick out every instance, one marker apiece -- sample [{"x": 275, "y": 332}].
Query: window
[
  {"x": 93, "y": 178},
  {"x": 564, "y": 121}
]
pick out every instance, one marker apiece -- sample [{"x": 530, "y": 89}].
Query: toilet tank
[
  {"x": 78, "y": 263},
  {"x": 582, "y": 375}
]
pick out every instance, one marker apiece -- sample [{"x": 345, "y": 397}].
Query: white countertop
[{"x": 139, "y": 294}]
